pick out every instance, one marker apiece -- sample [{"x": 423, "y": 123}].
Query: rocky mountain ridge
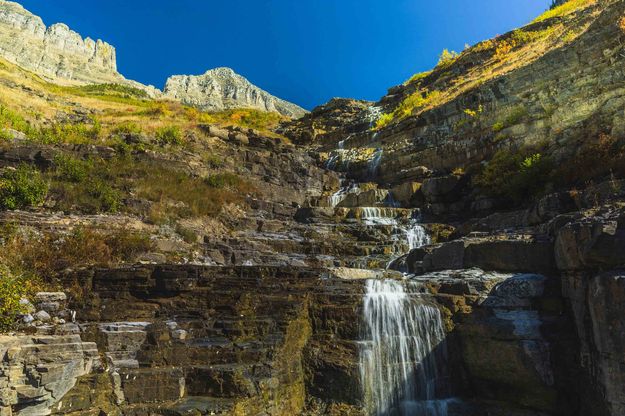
[
  {"x": 61, "y": 55},
  {"x": 258, "y": 307},
  {"x": 222, "y": 88}
]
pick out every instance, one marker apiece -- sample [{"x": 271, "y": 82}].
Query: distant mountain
[
  {"x": 57, "y": 53},
  {"x": 222, "y": 88},
  {"x": 61, "y": 55}
]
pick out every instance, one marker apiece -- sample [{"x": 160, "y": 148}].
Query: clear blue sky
[{"x": 305, "y": 51}]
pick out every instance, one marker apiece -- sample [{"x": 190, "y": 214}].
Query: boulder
[
  {"x": 42, "y": 316},
  {"x": 590, "y": 244},
  {"x": 405, "y": 192},
  {"x": 510, "y": 255},
  {"x": 442, "y": 188}
]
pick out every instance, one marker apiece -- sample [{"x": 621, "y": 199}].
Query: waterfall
[
  {"x": 416, "y": 235},
  {"x": 374, "y": 163},
  {"x": 403, "y": 355},
  {"x": 338, "y": 197},
  {"x": 378, "y": 216}
]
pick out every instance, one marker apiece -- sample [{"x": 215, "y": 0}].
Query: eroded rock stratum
[{"x": 193, "y": 262}]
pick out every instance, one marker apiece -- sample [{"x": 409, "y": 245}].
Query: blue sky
[{"x": 305, "y": 51}]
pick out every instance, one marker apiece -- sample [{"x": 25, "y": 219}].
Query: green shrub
[
  {"x": 513, "y": 117},
  {"x": 72, "y": 133},
  {"x": 223, "y": 180},
  {"x": 72, "y": 169},
  {"x": 107, "y": 199},
  {"x": 12, "y": 120},
  {"x": 560, "y": 9},
  {"x": 447, "y": 58},
  {"x": 201, "y": 197},
  {"x": 169, "y": 135},
  {"x": 5, "y": 135},
  {"x": 124, "y": 91},
  {"x": 417, "y": 77},
  {"x": 411, "y": 104},
  {"x": 515, "y": 175},
  {"x": 214, "y": 161},
  {"x": 127, "y": 127},
  {"x": 22, "y": 187},
  {"x": 12, "y": 289},
  {"x": 187, "y": 234}
]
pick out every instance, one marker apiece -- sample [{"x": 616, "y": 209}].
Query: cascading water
[
  {"x": 374, "y": 163},
  {"x": 403, "y": 355},
  {"x": 340, "y": 195},
  {"x": 416, "y": 235}
]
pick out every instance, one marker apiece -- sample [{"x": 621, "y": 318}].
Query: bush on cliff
[
  {"x": 22, "y": 187},
  {"x": 169, "y": 135},
  {"x": 72, "y": 133},
  {"x": 13, "y": 288},
  {"x": 515, "y": 175},
  {"x": 48, "y": 254}
]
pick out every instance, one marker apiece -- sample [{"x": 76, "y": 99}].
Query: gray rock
[
  {"x": 50, "y": 297},
  {"x": 42, "y": 316},
  {"x": 56, "y": 52},
  {"x": 222, "y": 88},
  {"x": 28, "y": 307},
  {"x": 180, "y": 334}
]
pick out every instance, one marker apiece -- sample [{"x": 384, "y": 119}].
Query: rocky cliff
[
  {"x": 199, "y": 263},
  {"x": 56, "y": 52},
  {"x": 61, "y": 55},
  {"x": 222, "y": 88}
]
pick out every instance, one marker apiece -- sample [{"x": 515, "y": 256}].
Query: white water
[
  {"x": 416, "y": 235},
  {"x": 403, "y": 354},
  {"x": 373, "y": 115},
  {"x": 338, "y": 197},
  {"x": 378, "y": 216},
  {"x": 374, "y": 163}
]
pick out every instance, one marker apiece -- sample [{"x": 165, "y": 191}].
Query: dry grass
[
  {"x": 565, "y": 9},
  {"x": 490, "y": 59}
]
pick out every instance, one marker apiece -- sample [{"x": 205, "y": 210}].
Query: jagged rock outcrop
[
  {"x": 57, "y": 53},
  {"x": 222, "y": 88}
]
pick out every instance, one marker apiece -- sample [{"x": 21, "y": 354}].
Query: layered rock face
[
  {"x": 222, "y": 88},
  {"x": 55, "y": 52},
  {"x": 531, "y": 300}
]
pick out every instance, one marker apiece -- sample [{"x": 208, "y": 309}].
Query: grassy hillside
[{"x": 457, "y": 73}]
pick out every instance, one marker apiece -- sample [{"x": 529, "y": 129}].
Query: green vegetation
[
  {"x": 12, "y": 120},
  {"x": 409, "y": 106},
  {"x": 187, "y": 234},
  {"x": 127, "y": 127},
  {"x": 447, "y": 58},
  {"x": 513, "y": 117},
  {"x": 26, "y": 258},
  {"x": 115, "y": 93},
  {"x": 84, "y": 185},
  {"x": 417, "y": 77},
  {"x": 169, "y": 135},
  {"x": 12, "y": 289},
  {"x": 111, "y": 90},
  {"x": 199, "y": 197},
  {"x": 246, "y": 118},
  {"x": 72, "y": 133},
  {"x": 223, "y": 180},
  {"x": 564, "y": 9},
  {"x": 21, "y": 188},
  {"x": 597, "y": 158},
  {"x": 516, "y": 175}
]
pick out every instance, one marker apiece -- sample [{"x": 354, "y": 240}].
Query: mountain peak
[{"x": 221, "y": 88}]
